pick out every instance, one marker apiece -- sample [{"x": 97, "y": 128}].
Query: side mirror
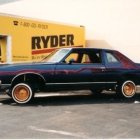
[{"x": 71, "y": 61}]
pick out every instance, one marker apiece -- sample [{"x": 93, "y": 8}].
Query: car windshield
[{"x": 56, "y": 56}]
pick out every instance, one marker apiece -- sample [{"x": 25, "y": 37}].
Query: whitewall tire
[
  {"x": 22, "y": 93},
  {"x": 128, "y": 89}
]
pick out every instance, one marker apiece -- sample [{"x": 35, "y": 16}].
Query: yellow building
[{"x": 24, "y": 39}]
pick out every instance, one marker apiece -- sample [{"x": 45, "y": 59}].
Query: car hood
[{"x": 22, "y": 66}]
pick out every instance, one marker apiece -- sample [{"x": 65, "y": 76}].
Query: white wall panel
[{"x": 109, "y": 23}]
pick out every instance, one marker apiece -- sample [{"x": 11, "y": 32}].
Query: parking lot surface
[{"x": 74, "y": 115}]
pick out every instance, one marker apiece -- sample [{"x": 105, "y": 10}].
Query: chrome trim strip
[
  {"x": 80, "y": 83},
  {"x": 5, "y": 84},
  {"x": 27, "y": 73}
]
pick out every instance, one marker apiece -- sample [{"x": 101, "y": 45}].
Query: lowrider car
[{"x": 71, "y": 69}]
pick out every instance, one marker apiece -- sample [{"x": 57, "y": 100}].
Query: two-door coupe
[{"x": 71, "y": 69}]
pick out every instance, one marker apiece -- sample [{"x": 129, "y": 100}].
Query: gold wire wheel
[
  {"x": 129, "y": 89},
  {"x": 22, "y": 93}
]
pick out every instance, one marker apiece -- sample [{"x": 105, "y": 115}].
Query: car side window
[
  {"x": 95, "y": 57},
  {"x": 73, "y": 56},
  {"x": 111, "y": 58},
  {"x": 84, "y": 57}
]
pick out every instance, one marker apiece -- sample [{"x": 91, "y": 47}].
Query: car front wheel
[
  {"x": 128, "y": 89},
  {"x": 22, "y": 93}
]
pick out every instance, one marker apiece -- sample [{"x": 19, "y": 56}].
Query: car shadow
[{"x": 74, "y": 98}]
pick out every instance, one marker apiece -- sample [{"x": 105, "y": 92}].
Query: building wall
[{"x": 109, "y": 23}]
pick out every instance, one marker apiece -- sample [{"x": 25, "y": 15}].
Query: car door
[{"x": 81, "y": 68}]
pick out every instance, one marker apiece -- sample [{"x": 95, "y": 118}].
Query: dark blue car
[{"x": 71, "y": 69}]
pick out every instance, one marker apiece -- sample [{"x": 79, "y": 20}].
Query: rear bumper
[{"x": 138, "y": 88}]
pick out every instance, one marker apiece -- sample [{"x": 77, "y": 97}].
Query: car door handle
[{"x": 103, "y": 68}]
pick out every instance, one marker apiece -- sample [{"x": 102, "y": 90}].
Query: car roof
[{"x": 90, "y": 48}]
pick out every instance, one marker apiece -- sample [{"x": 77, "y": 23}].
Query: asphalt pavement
[{"x": 71, "y": 115}]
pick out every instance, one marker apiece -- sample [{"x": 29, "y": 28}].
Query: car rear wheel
[
  {"x": 22, "y": 93},
  {"x": 128, "y": 89}
]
